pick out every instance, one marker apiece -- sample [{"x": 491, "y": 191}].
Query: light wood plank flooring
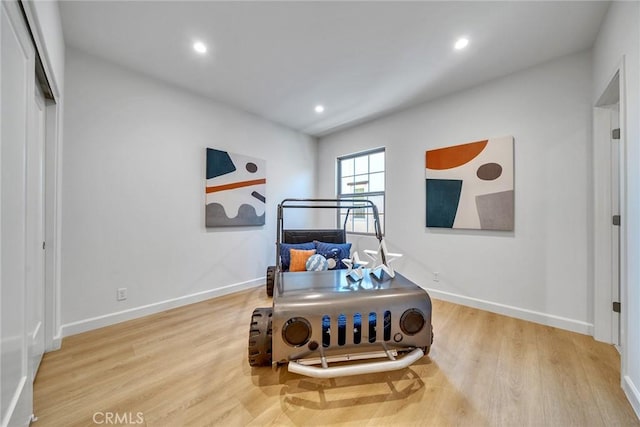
[{"x": 188, "y": 367}]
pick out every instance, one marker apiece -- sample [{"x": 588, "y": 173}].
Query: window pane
[
  {"x": 379, "y": 202},
  {"x": 359, "y": 225},
  {"x": 361, "y": 184},
  {"x": 346, "y": 167},
  {"x": 342, "y": 217},
  {"x": 346, "y": 188},
  {"x": 362, "y": 165},
  {"x": 376, "y": 182},
  {"x": 376, "y": 162},
  {"x": 359, "y": 213}
]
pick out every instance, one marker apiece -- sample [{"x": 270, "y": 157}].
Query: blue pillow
[
  {"x": 285, "y": 255},
  {"x": 336, "y": 251}
]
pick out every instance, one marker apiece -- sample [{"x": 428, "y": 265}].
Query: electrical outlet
[
  {"x": 121, "y": 294},
  {"x": 436, "y": 276}
]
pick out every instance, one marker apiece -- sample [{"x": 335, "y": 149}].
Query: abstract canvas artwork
[
  {"x": 471, "y": 185},
  {"x": 236, "y": 188}
]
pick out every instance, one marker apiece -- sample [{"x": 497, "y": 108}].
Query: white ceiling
[{"x": 360, "y": 60}]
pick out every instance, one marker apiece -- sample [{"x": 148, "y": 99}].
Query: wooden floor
[{"x": 188, "y": 367}]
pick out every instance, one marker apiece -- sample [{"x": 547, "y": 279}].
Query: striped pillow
[{"x": 317, "y": 263}]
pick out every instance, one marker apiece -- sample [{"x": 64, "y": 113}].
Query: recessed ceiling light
[
  {"x": 200, "y": 47},
  {"x": 319, "y": 109},
  {"x": 461, "y": 43}
]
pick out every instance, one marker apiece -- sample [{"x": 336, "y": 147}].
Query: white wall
[
  {"x": 133, "y": 194},
  {"x": 620, "y": 37},
  {"x": 538, "y": 272}
]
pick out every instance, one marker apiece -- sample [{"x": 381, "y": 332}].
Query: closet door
[{"x": 17, "y": 78}]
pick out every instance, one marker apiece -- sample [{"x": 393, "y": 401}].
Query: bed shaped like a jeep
[{"x": 374, "y": 319}]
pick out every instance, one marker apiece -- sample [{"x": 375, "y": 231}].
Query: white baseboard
[
  {"x": 56, "y": 342},
  {"x": 519, "y": 313},
  {"x": 145, "y": 310},
  {"x": 633, "y": 395}
]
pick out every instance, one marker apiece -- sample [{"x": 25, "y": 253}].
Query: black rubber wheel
[
  {"x": 260, "y": 337},
  {"x": 427, "y": 349},
  {"x": 271, "y": 277}
]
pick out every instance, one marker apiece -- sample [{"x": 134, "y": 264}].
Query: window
[{"x": 361, "y": 177}]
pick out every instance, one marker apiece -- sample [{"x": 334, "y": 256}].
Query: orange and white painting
[
  {"x": 471, "y": 186},
  {"x": 235, "y": 190}
]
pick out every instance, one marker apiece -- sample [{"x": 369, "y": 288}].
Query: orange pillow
[{"x": 299, "y": 259}]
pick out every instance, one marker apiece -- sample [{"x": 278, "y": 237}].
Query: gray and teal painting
[{"x": 235, "y": 190}]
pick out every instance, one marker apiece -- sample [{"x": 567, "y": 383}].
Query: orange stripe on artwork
[
  {"x": 452, "y": 157},
  {"x": 234, "y": 185}
]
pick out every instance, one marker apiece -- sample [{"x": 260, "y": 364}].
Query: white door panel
[{"x": 16, "y": 92}]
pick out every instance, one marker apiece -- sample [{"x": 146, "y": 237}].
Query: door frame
[
  {"x": 53, "y": 184},
  {"x": 604, "y": 317},
  {"x": 35, "y": 233}
]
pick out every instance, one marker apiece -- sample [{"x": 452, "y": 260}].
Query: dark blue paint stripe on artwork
[
  {"x": 258, "y": 196},
  {"x": 218, "y": 163},
  {"x": 443, "y": 196}
]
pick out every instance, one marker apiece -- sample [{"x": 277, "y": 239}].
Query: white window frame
[{"x": 365, "y": 194}]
